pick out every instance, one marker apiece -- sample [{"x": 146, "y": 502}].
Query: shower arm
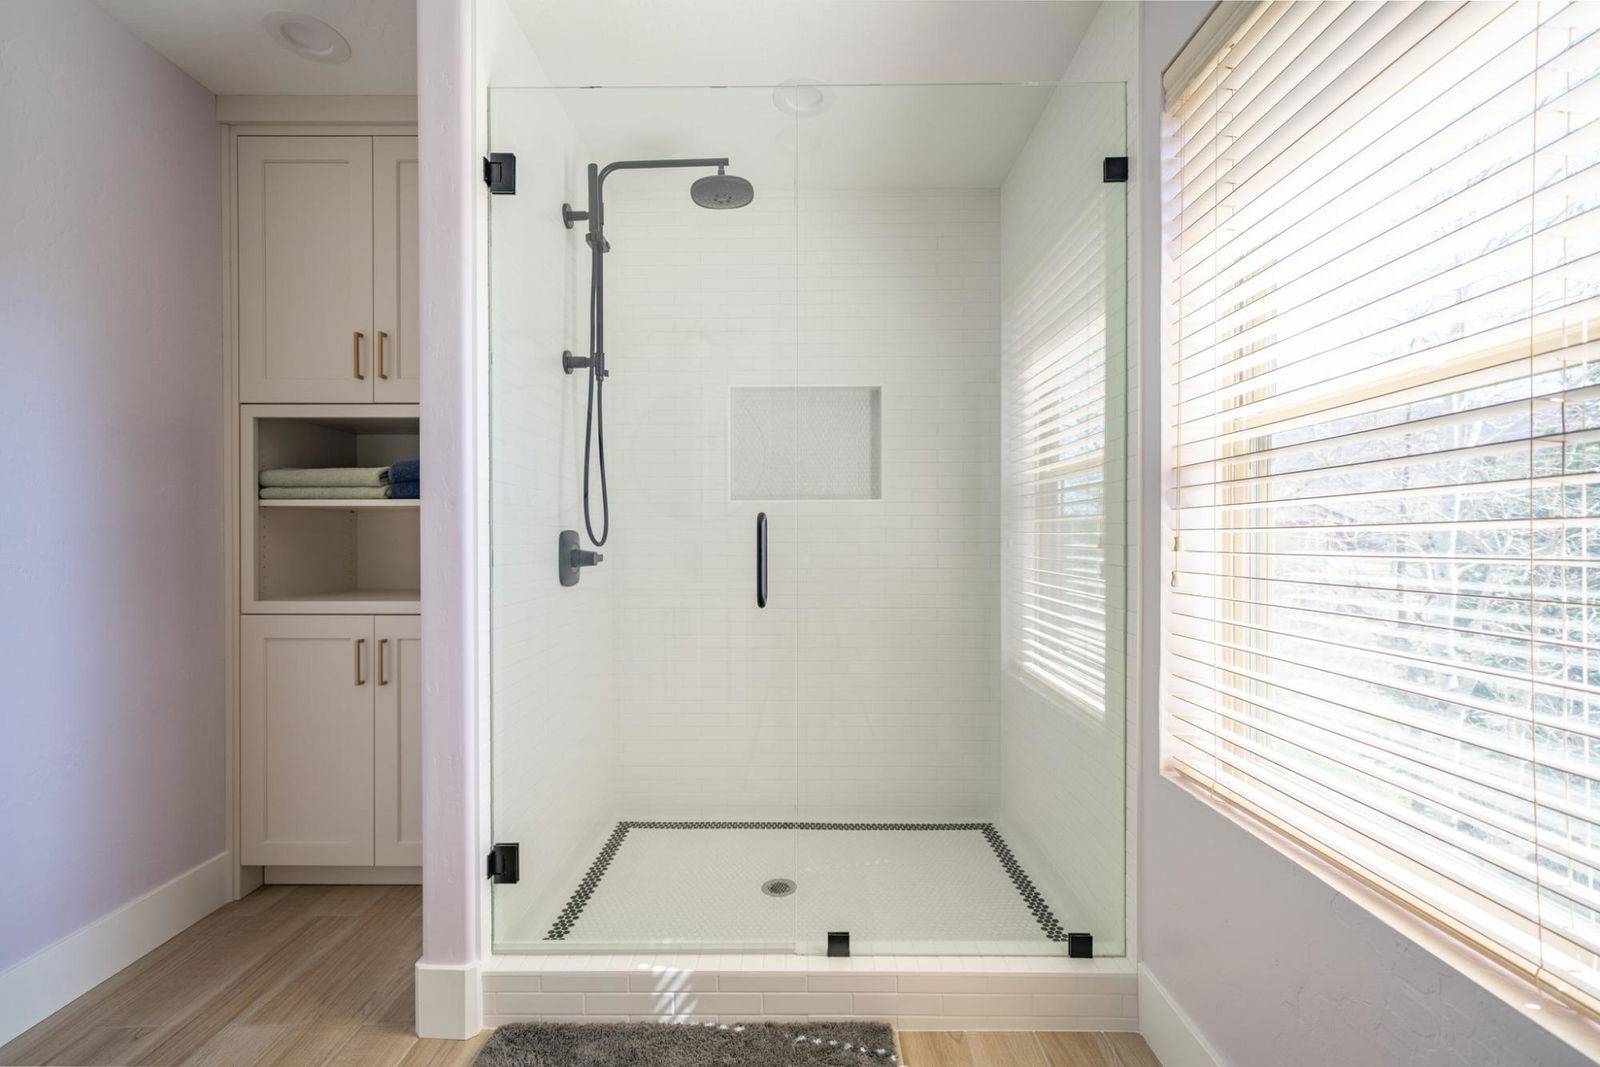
[
  {"x": 598, "y": 247},
  {"x": 597, "y": 179}
]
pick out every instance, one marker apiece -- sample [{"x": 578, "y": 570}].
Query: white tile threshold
[{"x": 912, "y": 992}]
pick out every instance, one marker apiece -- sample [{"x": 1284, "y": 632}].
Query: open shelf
[
  {"x": 344, "y": 602},
  {"x": 327, "y": 556},
  {"x": 343, "y": 505}
]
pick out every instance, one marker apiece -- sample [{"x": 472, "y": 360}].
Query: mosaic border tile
[{"x": 1031, "y": 897}]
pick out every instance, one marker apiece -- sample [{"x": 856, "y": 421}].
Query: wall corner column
[{"x": 448, "y": 975}]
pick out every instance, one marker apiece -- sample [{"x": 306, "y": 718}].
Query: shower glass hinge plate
[
  {"x": 1115, "y": 169},
  {"x": 500, "y": 173},
  {"x": 504, "y": 865},
  {"x": 839, "y": 942},
  {"x": 1080, "y": 946}
]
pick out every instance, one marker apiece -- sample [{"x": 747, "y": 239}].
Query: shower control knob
[{"x": 571, "y": 559}]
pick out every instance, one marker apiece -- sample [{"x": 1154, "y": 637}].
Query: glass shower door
[
  {"x": 962, "y": 335},
  {"x": 643, "y": 720}
]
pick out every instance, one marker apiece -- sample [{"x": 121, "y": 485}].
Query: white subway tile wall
[{"x": 883, "y": 704}]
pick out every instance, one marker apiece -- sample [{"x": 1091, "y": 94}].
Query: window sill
[{"x": 1549, "y": 1011}]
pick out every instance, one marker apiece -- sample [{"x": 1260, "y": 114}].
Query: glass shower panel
[
  {"x": 854, "y": 660},
  {"x": 643, "y": 720},
  {"x": 962, "y": 338}
]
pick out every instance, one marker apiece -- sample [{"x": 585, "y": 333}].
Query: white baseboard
[
  {"x": 449, "y": 1000},
  {"x": 1167, "y": 1030},
  {"x": 60, "y": 973}
]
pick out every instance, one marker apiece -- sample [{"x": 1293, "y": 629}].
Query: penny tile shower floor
[{"x": 896, "y": 891}]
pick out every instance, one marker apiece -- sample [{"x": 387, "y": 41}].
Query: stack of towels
[
  {"x": 400, "y": 480},
  {"x": 405, "y": 479}
]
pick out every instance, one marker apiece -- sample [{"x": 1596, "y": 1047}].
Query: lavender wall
[
  {"x": 1270, "y": 964},
  {"x": 111, "y": 745}
]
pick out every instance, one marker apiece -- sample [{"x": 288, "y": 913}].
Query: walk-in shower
[
  {"x": 719, "y": 191},
  {"x": 901, "y": 364}
]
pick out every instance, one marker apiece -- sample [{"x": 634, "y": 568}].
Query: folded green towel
[
  {"x": 325, "y": 492},
  {"x": 280, "y": 477}
]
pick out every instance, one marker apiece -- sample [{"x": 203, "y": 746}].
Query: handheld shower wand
[{"x": 719, "y": 191}]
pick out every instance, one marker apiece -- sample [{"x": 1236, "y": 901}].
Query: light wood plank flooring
[
  {"x": 1023, "y": 1049},
  {"x": 309, "y": 975}
]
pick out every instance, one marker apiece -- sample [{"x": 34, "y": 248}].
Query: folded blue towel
[
  {"x": 407, "y": 470},
  {"x": 405, "y": 490}
]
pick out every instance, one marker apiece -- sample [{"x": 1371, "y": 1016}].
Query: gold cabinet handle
[
  {"x": 382, "y": 337},
  {"x": 383, "y": 646},
  {"x": 355, "y": 348},
  {"x": 361, "y": 648}
]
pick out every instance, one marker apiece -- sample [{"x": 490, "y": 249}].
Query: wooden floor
[
  {"x": 1024, "y": 1049},
  {"x": 310, "y": 975}
]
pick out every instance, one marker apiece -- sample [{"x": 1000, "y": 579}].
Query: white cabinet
[
  {"x": 396, "y": 373},
  {"x": 397, "y": 836},
  {"x": 327, "y": 269},
  {"x": 305, "y": 268},
  {"x": 329, "y": 766},
  {"x": 306, "y": 739}
]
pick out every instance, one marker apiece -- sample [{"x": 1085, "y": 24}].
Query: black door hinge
[
  {"x": 1080, "y": 946},
  {"x": 504, "y": 867},
  {"x": 500, "y": 173},
  {"x": 1115, "y": 169}
]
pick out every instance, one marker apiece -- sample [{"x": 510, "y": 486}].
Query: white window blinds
[{"x": 1383, "y": 624}]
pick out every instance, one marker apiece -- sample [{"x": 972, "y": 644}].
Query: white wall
[
  {"x": 867, "y": 688},
  {"x": 111, "y": 731},
  {"x": 1270, "y": 964},
  {"x": 453, "y": 65},
  {"x": 553, "y": 685}
]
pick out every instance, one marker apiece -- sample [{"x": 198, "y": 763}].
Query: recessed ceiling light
[
  {"x": 801, "y": 96},
  {"x": 305, "y": 35}
]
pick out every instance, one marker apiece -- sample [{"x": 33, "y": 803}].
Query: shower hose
[{"x": 594, "y": 420}]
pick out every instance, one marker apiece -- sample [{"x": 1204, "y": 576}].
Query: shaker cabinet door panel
[
  {"x": 398, "y": 778},
  {"x": 306, "y": 739},
  {"x": 397, "y": 370},
  {"x": 305, "y": 256}
]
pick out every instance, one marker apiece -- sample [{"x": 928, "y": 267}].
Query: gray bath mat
[{"x": 690, "y": 1045}]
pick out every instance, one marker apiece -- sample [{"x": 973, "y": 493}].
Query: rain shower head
[{"x": 721, "y": 191}]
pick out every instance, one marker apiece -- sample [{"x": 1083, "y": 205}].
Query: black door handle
[{"x": 761, "y": 560}]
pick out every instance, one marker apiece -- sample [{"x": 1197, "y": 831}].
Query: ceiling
[
  {"x": 923, "y": 93},
  {"x": 954, "y": 132},
  {"x": 763, "y": 42},
  {"x": 222, "y": 45}
]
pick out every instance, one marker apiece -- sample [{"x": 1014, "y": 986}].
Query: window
[{"x": 1383, "y": 620}]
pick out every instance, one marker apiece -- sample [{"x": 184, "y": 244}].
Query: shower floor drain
[{"x": 778, "y": 887}]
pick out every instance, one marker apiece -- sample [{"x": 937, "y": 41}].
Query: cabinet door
[
  {"x": 305, "y": 269},
  {"x": 398, "y": 783},
  {"x": 306, "y": 739},
  {"x": 394, "y": 242}
]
